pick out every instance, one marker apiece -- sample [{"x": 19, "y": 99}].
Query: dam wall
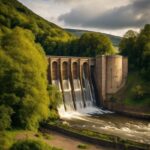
[{"x": 86, "y": 81}]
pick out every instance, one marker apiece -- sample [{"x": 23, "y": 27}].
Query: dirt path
[{"x": 69, "y": 143}]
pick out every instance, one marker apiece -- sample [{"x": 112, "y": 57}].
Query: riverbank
[
  {"x": 95, "y": 138},
  {"x": 52, "y": 138}
]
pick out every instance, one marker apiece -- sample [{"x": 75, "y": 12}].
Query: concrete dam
[{"x": 86, "y": 81}]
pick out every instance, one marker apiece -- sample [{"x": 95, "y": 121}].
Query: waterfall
[
  {"x": 68, "y": 95},
  {"x": 57, "y": 83},
  {"x": 88, "y": 92},
  {"x": 78, "y": 94}
]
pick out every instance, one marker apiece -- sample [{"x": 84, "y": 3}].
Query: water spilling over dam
[
  {"x": 87, "y": 82},
  {"x": 86, "y": 85}
]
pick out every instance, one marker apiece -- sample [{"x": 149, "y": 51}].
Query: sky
[{"x": 107, "y": 16}]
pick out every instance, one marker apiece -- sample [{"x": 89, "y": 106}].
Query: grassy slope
[
  {"x": 126, "y": 96},
  {"x": 7, "y": 138},
  {"x": 13, "y": 13},
  {"x": 115, "y": 39}
]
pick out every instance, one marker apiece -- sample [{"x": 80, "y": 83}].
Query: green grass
[
  {"x": 103, "y": 137},
  {"x": 82, "y": 146},
  {"x": 126, "y": 94},
  {"x": 7, "y": 138}
]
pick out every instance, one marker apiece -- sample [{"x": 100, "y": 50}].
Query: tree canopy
[
  {"x": 23, "y": 90},
  {"x": 137, "y": 48},
  {"x": 92, "y": 44}
]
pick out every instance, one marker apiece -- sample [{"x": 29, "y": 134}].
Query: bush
[
  {"x": 82, "y": 146},
  {"x": 55, "y": 100},
  {"x": 138, "y": 92},
  {"x": 31, "y": 145},
  {"x": 6, "y": 140},
  {"x": 5, "y": 120}
]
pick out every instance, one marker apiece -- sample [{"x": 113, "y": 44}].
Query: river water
[{"x": 109, "y": 123}]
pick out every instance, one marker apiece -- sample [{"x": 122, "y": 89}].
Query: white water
[
  {"x": 88, "y": 96},
  {"x": 124, "y": 127},
  {"x": 68, "y": 95},
  {"x": 112, "y": 124},
  {"x": 87, "y": 111},
  {"x": 78, "y": 94},
  {"x": 57, "y": 83}
]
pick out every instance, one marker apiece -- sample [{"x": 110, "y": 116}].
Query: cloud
[{"x": 134, "y": 14}]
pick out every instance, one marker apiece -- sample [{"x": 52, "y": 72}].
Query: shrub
[
  {"x": 138, "y": 92},
  {"x": 6, "y": 140},
  {"x": 31, "y": 145},
  {"x": 82, "y": 146},
  {"x": 5, "y": 120}
]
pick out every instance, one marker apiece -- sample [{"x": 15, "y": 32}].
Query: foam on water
[{"x": 80, "y": 114}]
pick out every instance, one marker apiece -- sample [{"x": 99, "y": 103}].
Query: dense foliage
[
  {"x": 52, "y": 38},
  {"x": 55, "y": 100},
  {"x": 137, "y": 48},
  {"x": 115, "y": 39},
  {"x": 31, "y": 145},
  {"x": 23, "y": 92},
  {"x": 92, "y": 44}
]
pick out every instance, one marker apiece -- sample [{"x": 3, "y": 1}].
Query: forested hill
[
  {"x": 115, "y": 39},
  {"x": 49, "y": 35},
  {"x": 53, "y": 39}
]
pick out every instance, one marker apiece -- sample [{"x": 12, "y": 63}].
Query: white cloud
[{"x": 100, "y": 15}]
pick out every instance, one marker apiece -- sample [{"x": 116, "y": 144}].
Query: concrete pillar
[
  {"x": 100, "y": 77},
  {"x": 61, "y": 81},
  {"x": 113, "y": 73},
  {"x": 81, "y": 80}
]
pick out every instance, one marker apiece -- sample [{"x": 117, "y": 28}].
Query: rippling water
[{"x": 111, "y": 123}]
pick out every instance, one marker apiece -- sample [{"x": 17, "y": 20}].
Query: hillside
[
  {"x": 49, "y": 35},
  {"x": 54, "y": 39},
  {"x": 115, "y": 39}
]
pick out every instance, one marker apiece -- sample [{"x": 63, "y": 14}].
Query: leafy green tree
[
  {"x": 143, "y": 51},
  {"x": 138, "y": 92},
  {"x": 137, "y": 48},
  {"x": 92, "y": 44},
  {"x": 5, "y": 117},
  {"x": 55, "y": 100},
  {"x": 127, "y": 46},
  {"x": 23, "y": 69},
  {"x": 31, "y": 145},
  {"x": 49, "y": 35}
]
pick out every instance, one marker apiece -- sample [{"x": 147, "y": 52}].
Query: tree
[
  {"x": 23, "y": 69},
  {"x": 31, "y": 145},
  {"x": 5, "y": 119},
  {"x": 127, "y": 46},
  {"x": 55, "y": 101},
  {"x": 143, "y": 51},
  {"x": 137, "y": 48},
  {"x": 92, "y": 44}
]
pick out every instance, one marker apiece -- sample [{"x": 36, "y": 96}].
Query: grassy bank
[
  {"x": 96, "y": 137},
  {"x": 135, "y": 92},
  {"x": 8, "y": 138}
]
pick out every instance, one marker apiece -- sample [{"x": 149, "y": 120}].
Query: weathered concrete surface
[{"x": 110, "y": 72}]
